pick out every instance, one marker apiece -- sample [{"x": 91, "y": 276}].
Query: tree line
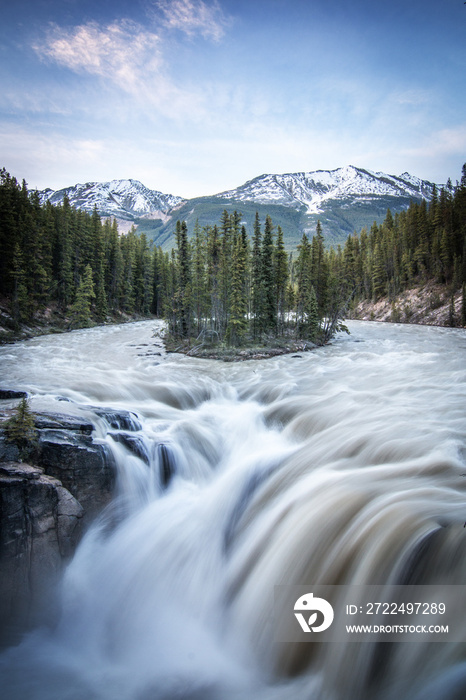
[
  {"x": 425, "y": 242},
  {"x": 59, "y": 255},
  {"x": 218, "y": 283}
]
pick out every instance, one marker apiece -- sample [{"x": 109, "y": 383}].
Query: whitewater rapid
[{"x": 344, "y": 465}]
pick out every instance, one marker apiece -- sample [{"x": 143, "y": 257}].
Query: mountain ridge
[
  {"x": 304, "y": 186},
  {"x": 126, "y": 199},
  {"x": 344, "y": 199}
]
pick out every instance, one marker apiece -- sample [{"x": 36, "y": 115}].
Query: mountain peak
[
  {"x": 125, "y": 199},
  {"x": 313, "y": 190},
  {"x": 344, "y": 200}
]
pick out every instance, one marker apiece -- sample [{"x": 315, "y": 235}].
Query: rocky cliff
[
  {"x": 44, "y": 508},
  {"x": 40, "y": 524}
]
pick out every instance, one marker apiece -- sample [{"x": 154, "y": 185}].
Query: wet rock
[
  {"x": 69, "y": 513},
  {"x": 44, "y": 421},
  {"x": 119, "y": 420},
  {"x": 167, "y": 464},
  {"x": 134, "y": 443},
  {"x": 84, "y": 466},
  {"x": 40, "y": 524},
  {"x": 43, "y": 510},
  {"x": 12, "y": 394},
  {"x": 9, "y": 452}
]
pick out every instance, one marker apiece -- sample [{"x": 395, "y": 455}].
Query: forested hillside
[{"x": 424, "y": 243}]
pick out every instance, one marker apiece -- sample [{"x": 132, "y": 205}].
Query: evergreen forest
[{"x": 218, "y": 284}]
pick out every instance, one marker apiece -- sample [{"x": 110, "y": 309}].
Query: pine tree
[
  {"x": 319, "y": 271},
  {"x": 199, "y": 278},
  {"x": 311, "y": 311},
  {"x": 143, "y": 271},
  {"x": 281, "y": 280},
  {"x": 114, "y": 265},
  {"x": 20, "y": 429},
  {"x": 304, "y": 286},
  {"x": 126, "y": 292},
  {"x": 238, "y": 306},
  {"x": 257, "y": 294},
  {"x": 183, "y": 289},
  {"x": 63, "y": 254},
  {"x": 80, "y": 311},
  {"x": 269, "y": 308},
  {"x": 20, "y": 298},
  {"x": 378, "y": 273},
  {"x": 213, "y": 284}
]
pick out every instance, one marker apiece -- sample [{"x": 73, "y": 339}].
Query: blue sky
[{"x": 193, "y": 97}]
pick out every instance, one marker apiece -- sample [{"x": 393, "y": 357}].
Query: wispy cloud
[
  {"x": 126, "y": 55},
  {"x": 442, "y": 142},
  {"x": 120, "y": 52},
  {"x": 194, "y": 17}
]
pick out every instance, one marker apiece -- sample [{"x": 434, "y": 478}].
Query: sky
[{"x": 194, "y": 97}]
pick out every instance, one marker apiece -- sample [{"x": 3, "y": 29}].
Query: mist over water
[{"x": 345, "y": 465}]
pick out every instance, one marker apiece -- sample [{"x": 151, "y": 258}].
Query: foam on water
[{"x": 344, "y": 465}]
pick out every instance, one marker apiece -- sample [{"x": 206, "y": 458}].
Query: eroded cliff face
[
  {"x": 44, "y": 508},
  {"x": 40, "y": 524}
]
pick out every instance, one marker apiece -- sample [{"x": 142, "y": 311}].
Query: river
[{"x": 344, "y": 465}]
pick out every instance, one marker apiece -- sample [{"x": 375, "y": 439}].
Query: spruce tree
[
  {"x": 20, "y": 429},
  {"x": 281, "y": 279},
  {"x": 183, "y": 289},
  {"x": 319, "y": 271},
  {"x": 199, "y": 278},
  {"x": 20, "y": 297},
  {"x": 257, "y": 292},
  {"x": 238, "y": 307},
  {"x": 269, "y": 303},
  {"x": 304, "y": 286},
  {"x": 80, "y": 311}
]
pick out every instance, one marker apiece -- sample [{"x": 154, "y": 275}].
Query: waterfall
[{"x": 343, "y": 466}]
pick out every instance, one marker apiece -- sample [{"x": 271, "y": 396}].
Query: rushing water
[{"x": 343, "y": 465}]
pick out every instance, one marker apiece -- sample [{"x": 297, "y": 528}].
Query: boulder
[{"x": 12, "y": 394}]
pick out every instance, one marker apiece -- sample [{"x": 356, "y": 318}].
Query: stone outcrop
[
  {"x": 12, "y": 394},
  {"x": 46, "y": 505},
  {"x": 40, "y": 524},
  {"x": 44, "y": 509},
  {"x": 83, "y": 465}
]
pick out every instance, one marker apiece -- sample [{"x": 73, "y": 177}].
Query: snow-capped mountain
[
  {"x": 344, "y": 200},
  {"x": 123, "y": 199},
  {"x": 313, "y": 190}
]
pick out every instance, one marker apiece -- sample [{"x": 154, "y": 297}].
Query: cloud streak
[
  {"x": 121, "y": 51},
  {"x": 125, "y": 55},
  {"x": 194, "y": 17}
]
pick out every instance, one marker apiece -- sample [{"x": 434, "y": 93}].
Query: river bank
[
  {"x": 50, "y": 322},
  {"x": 428, "y": 304}
]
